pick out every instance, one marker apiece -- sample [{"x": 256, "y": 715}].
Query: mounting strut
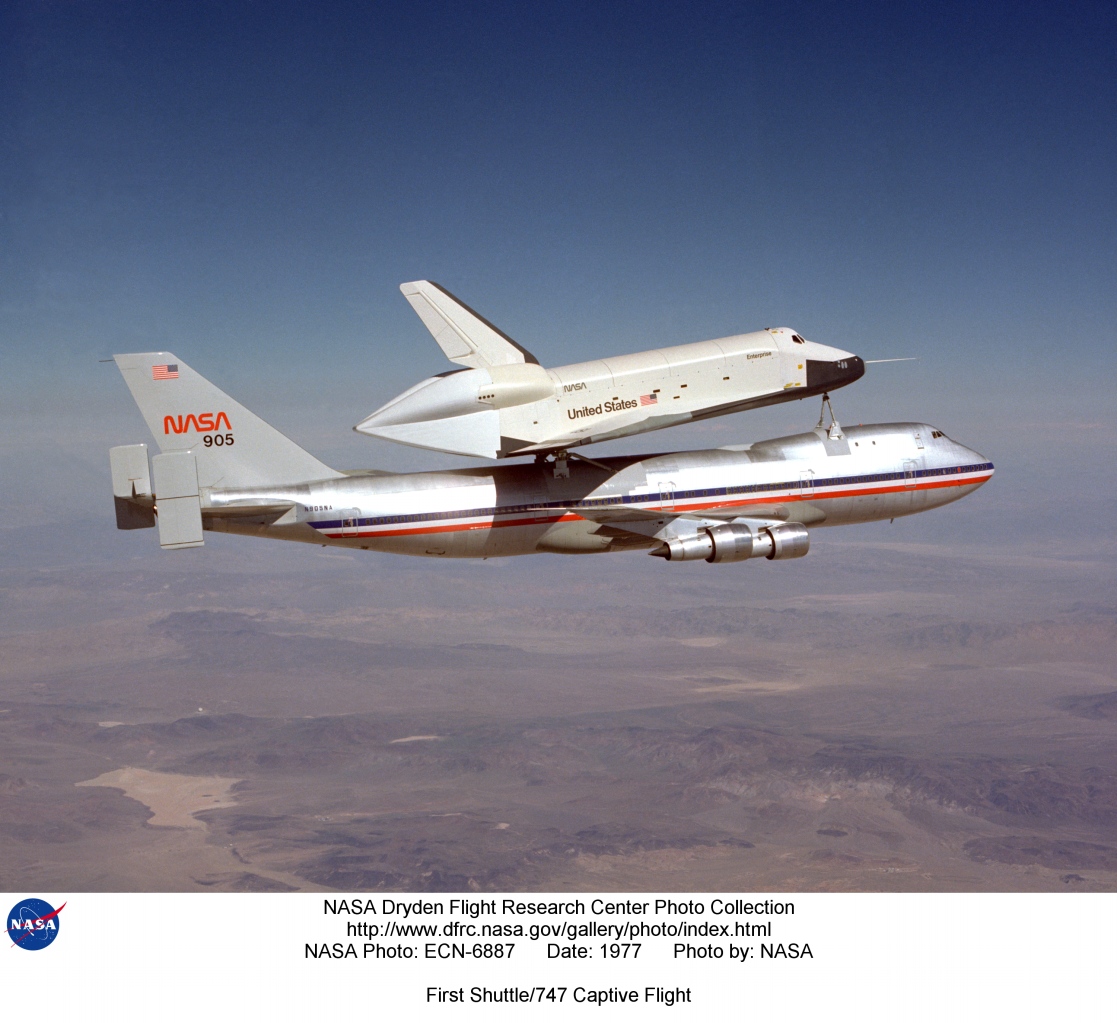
[
  {"x": 834, "y": 431},
  {"x": 561, "y": 464}
]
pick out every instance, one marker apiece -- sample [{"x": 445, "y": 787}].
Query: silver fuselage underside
[{"x": 868, "y": 473}]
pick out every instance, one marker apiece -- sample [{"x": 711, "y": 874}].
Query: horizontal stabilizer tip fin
[
  {"x": 465, "y": 336},
  {"x": 178, "y": 504}
]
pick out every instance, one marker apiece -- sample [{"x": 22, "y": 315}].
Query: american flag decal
[
  {"x": 169, "y": 372},
  {"x": 648, "y": 399}
]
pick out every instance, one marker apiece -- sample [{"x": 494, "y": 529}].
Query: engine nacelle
[
  {"x": 688, "y": 548},
  {"x": 735, "y": 542},
  {"x": 732, "y": 541},
  {"x": 791, "y": 540}
]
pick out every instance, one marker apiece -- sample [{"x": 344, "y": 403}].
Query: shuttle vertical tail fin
[{"x": 466, "y": 337}]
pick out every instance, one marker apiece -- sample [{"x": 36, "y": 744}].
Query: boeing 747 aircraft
[
  {"x": 504, "y": 403},
  {"x": 221, "y": 468}
]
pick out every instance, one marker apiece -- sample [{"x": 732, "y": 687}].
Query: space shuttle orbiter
[{"x": 504, "y": 403}]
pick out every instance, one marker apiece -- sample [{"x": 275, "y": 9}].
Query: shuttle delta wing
[{"x": 465, "y": 337}]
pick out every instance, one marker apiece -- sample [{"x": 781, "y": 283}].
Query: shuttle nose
[{"x": 829, "y": 374}]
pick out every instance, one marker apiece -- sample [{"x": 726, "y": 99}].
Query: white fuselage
[
  {"x": 818, "y": 478},
  {"x": 498, "y": 411}
]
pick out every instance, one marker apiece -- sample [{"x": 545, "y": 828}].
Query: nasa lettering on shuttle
[
  {"x": 33, "y": 924},
  {"x": 221, "y": 468}
]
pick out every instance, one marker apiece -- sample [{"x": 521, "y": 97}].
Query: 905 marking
[{"x": 212, "y": 440}]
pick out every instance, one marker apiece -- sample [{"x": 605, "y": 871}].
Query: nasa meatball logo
[{"x": 33, "y": 924}]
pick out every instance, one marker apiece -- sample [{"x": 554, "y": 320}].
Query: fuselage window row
[{"x": 790, "y": 485}]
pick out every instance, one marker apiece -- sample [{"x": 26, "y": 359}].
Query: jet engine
[{"x": 732, "y": 541}]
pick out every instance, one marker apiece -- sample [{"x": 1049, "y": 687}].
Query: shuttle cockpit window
[{"x": 797, "y": 339}]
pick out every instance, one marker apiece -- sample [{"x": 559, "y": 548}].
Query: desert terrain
[{"x": 883, "y": 715}]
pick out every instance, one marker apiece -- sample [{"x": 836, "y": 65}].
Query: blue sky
[{"x": 247, "y": 184}]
